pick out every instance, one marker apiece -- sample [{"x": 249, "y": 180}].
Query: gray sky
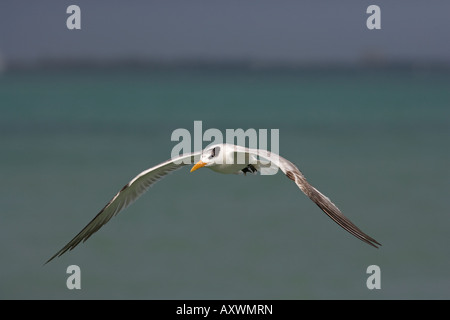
[{"x": 286, "y": 31}]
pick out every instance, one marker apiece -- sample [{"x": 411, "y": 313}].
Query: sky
[{"x": 261, "y": 31}]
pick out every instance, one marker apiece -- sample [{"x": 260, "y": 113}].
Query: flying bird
[{"x": 221, "y": 158}]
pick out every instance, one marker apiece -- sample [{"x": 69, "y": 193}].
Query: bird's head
[{"x": 210, "y": 157}]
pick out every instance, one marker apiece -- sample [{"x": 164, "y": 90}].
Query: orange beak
[{"x": 198, "y": 165}]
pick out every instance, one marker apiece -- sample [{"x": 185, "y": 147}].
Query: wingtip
[
  {"x": 50, "y": 259},
  {"x": 371, "y": 241},
  {"x": 378, "y": 245}
]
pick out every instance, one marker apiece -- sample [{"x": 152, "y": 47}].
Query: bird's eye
[{"x": 214, "y": 152}]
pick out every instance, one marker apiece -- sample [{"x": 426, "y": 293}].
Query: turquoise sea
[{"x": 374, "y": 141}]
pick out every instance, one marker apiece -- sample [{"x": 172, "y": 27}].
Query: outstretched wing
[
  {"x": 126, "y": 196},
  {"x": 293, "y": 173}
]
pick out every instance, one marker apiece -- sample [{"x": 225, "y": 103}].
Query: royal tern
[{"x": 221, "y": 158}]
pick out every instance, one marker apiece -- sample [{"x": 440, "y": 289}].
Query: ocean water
[{"x": 374, "y": 141}]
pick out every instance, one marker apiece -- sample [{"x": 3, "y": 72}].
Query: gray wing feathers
[
  {"x": 325, "y": 204},
  {"x": 126, "y": 196},
  {"x": 293, "y": 173},
  {"x": 330, "y": 208}
]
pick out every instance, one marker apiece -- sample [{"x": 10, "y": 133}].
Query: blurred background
[{"x": 363, "y": 113}]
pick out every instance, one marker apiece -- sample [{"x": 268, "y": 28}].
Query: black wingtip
[{"x": 54, "y": 256}]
